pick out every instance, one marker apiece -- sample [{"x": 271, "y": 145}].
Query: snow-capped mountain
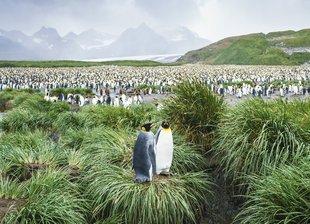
[
  {"x": 47, "y": 35},
  {"x": 90, "y": 39},
  {"x": 137, "y": 41},
  {"x": 47, "y": 44},
  {"x": 183, "y": 39}
]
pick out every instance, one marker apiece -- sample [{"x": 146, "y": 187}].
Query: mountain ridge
[{"x": 47, "y": 44}]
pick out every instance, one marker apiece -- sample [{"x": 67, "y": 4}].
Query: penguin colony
[
  {"x": 126, "y": 78},
  {"x": 153, "y": 155},
  {"x": 122, "y": 100}
]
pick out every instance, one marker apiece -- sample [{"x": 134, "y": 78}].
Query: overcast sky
[{"x": 211, "y": 19}]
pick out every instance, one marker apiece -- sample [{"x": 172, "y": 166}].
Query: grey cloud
[
  {"x": 171, "y": 11},
  {"x": 213, "y": 19}
]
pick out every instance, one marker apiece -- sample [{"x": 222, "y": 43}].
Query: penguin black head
[
  {"x": 147, "y": 127},
  {"x": 165, "y": 124}
]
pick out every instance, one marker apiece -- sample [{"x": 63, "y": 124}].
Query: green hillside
[{"x": 276, "y": 48}]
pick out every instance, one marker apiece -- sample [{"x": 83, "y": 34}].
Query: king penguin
[
  {"x": 164, "y": 148},
  {"x": 144, "y": 163}
]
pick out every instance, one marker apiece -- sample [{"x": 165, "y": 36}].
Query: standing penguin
[
  {"x": 164, "y": 148},
  {"x": 144, "y": 155}
]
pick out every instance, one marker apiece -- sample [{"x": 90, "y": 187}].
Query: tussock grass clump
[
  {"x": 11, "y": 189},
  {"x": 50, "y": 208},
  {"x": 194, "y": 111},
  {"x": 94, "y": 140},
  {"x": 107, "y": 115},
  {"x": 118, "y": 117},
  {"x": 73, "y": 138},
  {"x": 21, "y": 120},
  {"x": 282, "y": 197},
  {"x": 186, "y": 156},
  {"x": 178, "y": 199},
  {"x": 10, "y": 94},
  {"x": 50, "y": 198},
  {"x": 66, "y": 91},
  {"x": 23, "y": 155},
  {"x": 38, "y": 104},
  {"x": 31, "y": 139},
  {"x": 255, "y": 136},
  {"x": 111, "y": 145},
  {"x": 29, "y": 101},
  {"x": 69, "y": 120},
  {"x": 146, "y": 112},
  {"x": 32, "y": 113}
]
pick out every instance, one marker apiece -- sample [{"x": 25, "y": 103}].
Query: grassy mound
[
  {"x": 7, "y": 96},
  {"x": 119, "y": 117},
  {"x": 282, "y": 197},
  {"x": 176, "y": 199},
  {"x": 25, "y": 154},
  {"x": 49, "y": 197},
  {"x": 32, "y": 114},
  {"x": 255, "y": 136},
  {"x": 66, "y": 91},
  {"x": 194, "y": 111}
]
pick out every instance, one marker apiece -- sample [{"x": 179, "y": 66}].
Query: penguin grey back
[{"x": 144, "y": 157}]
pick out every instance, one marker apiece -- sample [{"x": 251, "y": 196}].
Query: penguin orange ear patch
[{"x": 143, "y": 129}]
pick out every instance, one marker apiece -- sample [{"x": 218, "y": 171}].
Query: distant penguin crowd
[
  {"x": 118, "y": 100},
  {"x": 163, "y": 77}
]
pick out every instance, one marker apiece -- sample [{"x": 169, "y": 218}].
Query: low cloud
[{"x": 212, "y": 19}]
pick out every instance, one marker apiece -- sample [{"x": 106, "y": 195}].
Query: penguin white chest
[{"x": 164, "y": 151}]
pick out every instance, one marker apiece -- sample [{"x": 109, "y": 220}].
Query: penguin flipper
[
  {"x": 157, "y": 135},
  {"x": 152, "y": 156}
]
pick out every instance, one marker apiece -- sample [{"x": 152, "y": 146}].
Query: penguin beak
[{"x": 154, "y": 123}]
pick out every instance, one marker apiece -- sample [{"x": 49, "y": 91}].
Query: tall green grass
[
  {"x": 179, "y": 199},
  {"x": 118, "y": 117},
  {"x": 76, "y": 167},
  {"x": 21, "y": 120},
  {"x": 255, "y": 136},
  {"x": 50, "y": 198},
  {"x": 10, "y": 94},
  {"x": 194, "y": 111},
  {"x": 111, "y": 188},
  {"x": 11, "y": 189},
  {"x": 28, "y": 154},
  {"x": 281, "y": 197},
  {"x": 66, "y": 91},
  {"x": 69, "y": 120},
  {"x": 32, "y": 113}
]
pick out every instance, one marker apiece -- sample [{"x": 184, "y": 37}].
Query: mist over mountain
[{"x": 47, "y": 44}]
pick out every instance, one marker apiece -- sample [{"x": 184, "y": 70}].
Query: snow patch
[
  {"x": 165, "y": 58},
  {"x": 102, "y": 44},
  {"x": 178, "y": 37},
  {"x": 37, "y": 40},
  {"x": 108, "y": 42}
]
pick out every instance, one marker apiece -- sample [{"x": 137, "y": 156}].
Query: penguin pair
[{"x": 152, "y": 155}]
